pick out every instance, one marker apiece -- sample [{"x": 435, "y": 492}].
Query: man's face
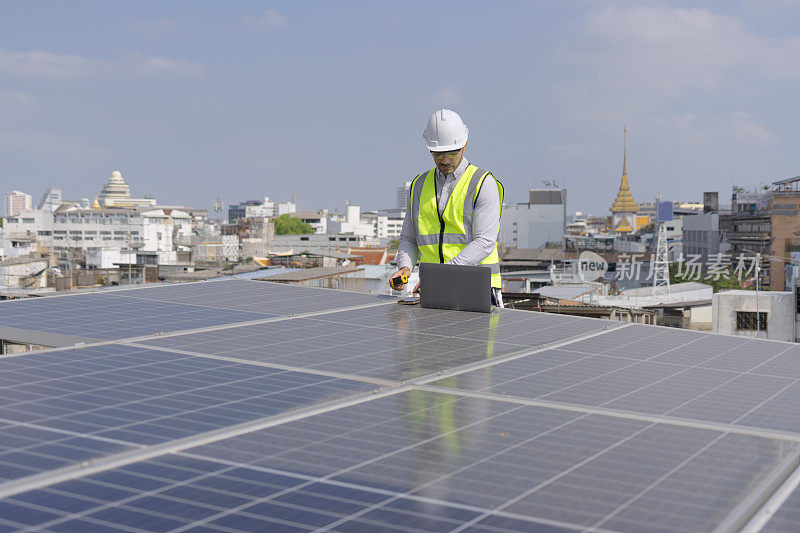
[{"x": 447, "y": 162}]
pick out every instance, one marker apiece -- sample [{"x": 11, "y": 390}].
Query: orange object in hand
[{"x": 397, "y": 281}]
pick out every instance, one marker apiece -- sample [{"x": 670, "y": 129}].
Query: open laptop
[{"x": 457, "y": 287}]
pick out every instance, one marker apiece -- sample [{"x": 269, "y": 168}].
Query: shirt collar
[{"x": 462, "y": 166}]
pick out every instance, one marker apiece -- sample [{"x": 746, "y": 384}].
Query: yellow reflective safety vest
[{"x": 441, "y": 238}]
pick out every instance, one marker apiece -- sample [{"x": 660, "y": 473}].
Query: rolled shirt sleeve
[
  {"x": 407, "y": 251},
  {"x": 485, "y": 226}
]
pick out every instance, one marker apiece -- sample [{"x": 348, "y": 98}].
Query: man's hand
[
  {"x": 403, "y": 271},
  {"x": 416, "y": 289}
]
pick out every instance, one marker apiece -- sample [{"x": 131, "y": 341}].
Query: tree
[
  {"x": 681, "y": 273},
  {"x": 289, "y": 225}
]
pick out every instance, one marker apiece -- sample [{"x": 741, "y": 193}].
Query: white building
[
  {"x": 17, "y": 201},
  {"x": 318, "y": 221},
  {"x": 537, "y": 223},
  {"x": 117, "y": 193},
  {"x": 258, "y": 209},
  {"x": 320, "y": 243},
  {"x": 771, "y": 315},
  {"x": 351, "y": 223},
  {"x": 401, "y": 196},
  {"x": 71, "y": 226},
  {"x": 383, "y": 226},
  {"x": 51, "y": 199}
]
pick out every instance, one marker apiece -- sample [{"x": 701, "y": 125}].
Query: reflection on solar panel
[
  {"x": 134, "y": 312},
  {"x": 658, "y": 371},
  {"x": 390, "y": 342},
  {"x": 273, "y": 407}
]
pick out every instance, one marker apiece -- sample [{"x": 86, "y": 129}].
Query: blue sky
[{"x": 328, "y": 100}]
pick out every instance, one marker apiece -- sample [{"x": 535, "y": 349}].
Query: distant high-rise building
[
  {"x": 401, "y": 198},
  {"x": 17, "y": 201},
  {"x": 258, "y": 209},
  {"x": 51, "y": 199},
  {"x": 535, "y": 224}
]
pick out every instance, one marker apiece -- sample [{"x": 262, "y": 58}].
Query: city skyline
[{"x": 195, "y": 101}]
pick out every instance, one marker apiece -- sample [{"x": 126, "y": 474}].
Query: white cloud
[
  {"x": 670, "y": 50},
  {"x": 64, "y": 66},
  {"x": 15, "y": 100},
  {"x": 49, "y": 65},
  {"x": 734, "y": 129},
  {"x": 268, "y": 20},
  {"x": 158, "y": 27},
  {"x": 160, "y": 65}
]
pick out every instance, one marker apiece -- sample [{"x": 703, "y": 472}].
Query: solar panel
[
  {"x": 109, "y": 398},
  {"x": 657, "y": 371},
  {"x": 110, "y": 316},
  {"x": 787, "y": 517},
  {"x": 510, "y": 421},
  {"x": 433, "y": 461},
  {"x": 254, "y": 296},
  {"x": 388, "y": 342},
  {"x": 137, "y": 312}
]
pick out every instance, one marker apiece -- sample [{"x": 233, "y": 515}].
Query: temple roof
[{"x": 624, "y": 202}]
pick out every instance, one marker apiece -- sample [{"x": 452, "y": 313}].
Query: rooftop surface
[{"x": 243, "y": 405}]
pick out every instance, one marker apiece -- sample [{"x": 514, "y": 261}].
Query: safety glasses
[{"x": 446, "y": 155}]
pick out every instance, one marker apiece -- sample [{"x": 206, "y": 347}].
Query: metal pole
[{"x": 758, "y": 315}]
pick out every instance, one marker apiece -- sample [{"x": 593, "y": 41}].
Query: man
[{"x": 453, "y": 213}]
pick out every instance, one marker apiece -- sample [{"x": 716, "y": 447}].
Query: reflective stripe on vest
[{"x": 441, "y": 238}]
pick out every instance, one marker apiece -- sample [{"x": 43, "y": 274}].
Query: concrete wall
[
  {"x": 702, "y": 318},
  {"x": 779, "y": 306},
  {"x": 532, "y": 226},
  {"x": 701, "y": 235}
]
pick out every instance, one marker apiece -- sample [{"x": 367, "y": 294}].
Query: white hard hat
[{"x": 445, "y": 131}]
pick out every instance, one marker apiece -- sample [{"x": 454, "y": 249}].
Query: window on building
[
  {"x": 44, "y": 232},
  {"x": 12, "y": 220},
  {"x": 746, "y": 321},
  {"x": 28, "y": 221}
]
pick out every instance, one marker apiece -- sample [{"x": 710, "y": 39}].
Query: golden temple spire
[
  {"x": 625, "y": 149},
  {"x": 624, "y": 202},
  {"x": 96, "y": 204}
]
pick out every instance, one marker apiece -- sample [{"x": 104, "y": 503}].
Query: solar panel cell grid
[
  {"x": 389, "y": 342},
  {"x": 130, "y": 396},
  {"x": 253, "y": 296},
  {"x": 691, "y": 377},
  {"x": 416, "y": 460},
  {"x": 459, "y": 463},
  {"x": 131, "y": 313}
]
